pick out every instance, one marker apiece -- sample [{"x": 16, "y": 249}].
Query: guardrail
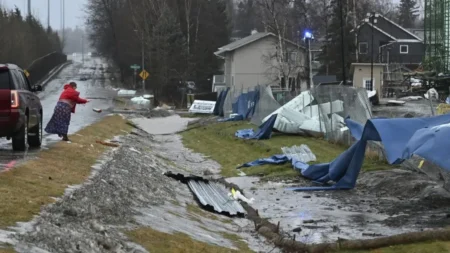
[{"x": 40, "y": 67}]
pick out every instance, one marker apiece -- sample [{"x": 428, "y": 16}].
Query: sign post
[
  {"x": 144, "y": 75},
  {"x": 135, "y": 67}
]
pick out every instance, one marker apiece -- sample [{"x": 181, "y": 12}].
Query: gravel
[{"x": 128, "y": 190}]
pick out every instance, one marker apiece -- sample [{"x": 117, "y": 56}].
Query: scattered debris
[
  {"x": 300, "y": 153},
  {"x": 433, "y": 93},
  {"x": 372, "y": 234},
  {"x": 395, "y": 102},
  {"x": 109, "y": 144}
]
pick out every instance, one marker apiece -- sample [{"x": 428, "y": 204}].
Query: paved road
[{"x": 97, "y": 88}]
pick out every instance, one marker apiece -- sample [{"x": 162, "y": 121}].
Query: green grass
[
  {"x": 155, "y": 241},
  {"x": 218, "y": 142},
  {"x": 428, "y": 247}
]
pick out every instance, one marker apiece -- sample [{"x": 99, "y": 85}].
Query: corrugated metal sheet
[
  {"x": 211, "y": 194},
  {"x": 215, "y": 195}
]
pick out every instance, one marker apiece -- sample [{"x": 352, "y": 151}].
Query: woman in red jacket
[{"x": 60, "y": 121}]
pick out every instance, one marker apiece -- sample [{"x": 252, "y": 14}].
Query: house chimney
[{"x": 254, "y": 31}]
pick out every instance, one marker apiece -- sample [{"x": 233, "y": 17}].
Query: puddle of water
[{"x": 315, "y": 219}]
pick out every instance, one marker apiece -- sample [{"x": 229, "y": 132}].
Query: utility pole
[
  {"x": 356, "y": 31},
  {"x": 64, "y": 19},
  {"x": 29, "y": 8},
  {"x": 372, "y": 19},
  {"x": 308, "y": 37},
  {"x": 143, "y": 60},
  {"x": 341, "y": 7},
  {"x": 82, "y": 47},
  {"x": 48, "y": 15}
]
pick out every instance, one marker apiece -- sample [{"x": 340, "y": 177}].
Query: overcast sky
[{"x": 74, "y": 11}]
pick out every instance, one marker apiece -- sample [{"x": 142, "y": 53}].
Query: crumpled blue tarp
[
  {"x": 401, "y": 137},
  {"x": 264, "y": 131},
  {"x": 218, "y": 109},
  {"x": 245, "y": 104},
  {"x": 275, "y": 159},
  {"x": 235, "y": 118}
]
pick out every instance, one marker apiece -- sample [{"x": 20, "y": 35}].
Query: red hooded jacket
[{"x": 71, "y": 94}]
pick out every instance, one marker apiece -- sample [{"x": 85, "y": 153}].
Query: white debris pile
[
  {"x": 300, "y": 153},
  {"x": 411, "y": 98},
  {"x": 415, "y": 82},
  {"x": 371, "y": 93},
  {"x": 431, "y": 93},
  {"x": 299, "y": 115},
  {"x": 126, "y": 93},
  {"x": 140, "y": 101}
]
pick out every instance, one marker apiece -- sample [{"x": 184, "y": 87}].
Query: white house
[{"x": 258, "y": 60}]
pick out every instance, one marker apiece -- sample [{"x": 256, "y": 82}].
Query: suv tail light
[{"x": 14, "y": 99}]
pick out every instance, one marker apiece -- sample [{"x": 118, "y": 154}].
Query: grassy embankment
[{"x": 218, "y": 142}]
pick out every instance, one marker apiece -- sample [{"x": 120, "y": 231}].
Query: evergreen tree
[
  {"x": 408, "y": 13},
  {"x": 247, "y": 18},
  {"x": 334, "y": 49}
]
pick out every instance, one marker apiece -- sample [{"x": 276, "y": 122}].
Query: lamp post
[
  {"x": 372, "y": 18},
  {"x": 143, "y": 57},
  {"x": 308, "y": 36}
]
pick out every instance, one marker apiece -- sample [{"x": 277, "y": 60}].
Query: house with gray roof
[
  {"x": 258, "y": 60},
  {"x": 392, "y": 43}
]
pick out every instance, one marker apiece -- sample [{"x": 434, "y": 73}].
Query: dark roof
[
  {"x": 324, "y": 79},
  {"x": 416, "y": 36}
]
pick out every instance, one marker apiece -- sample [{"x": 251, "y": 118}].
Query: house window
[
  {"x": 368, "y": 84},
  {"x": 363, "y": 47},
  {"x": 294, "y": 57},
  {"x": 292, "y": 83},
  {"x": 404, "y": 49}
]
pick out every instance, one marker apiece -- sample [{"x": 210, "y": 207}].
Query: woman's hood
[{"x": 66, "y": 86}]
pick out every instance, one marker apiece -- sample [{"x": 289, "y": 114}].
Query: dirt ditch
[{"x": 128, "y": 191}]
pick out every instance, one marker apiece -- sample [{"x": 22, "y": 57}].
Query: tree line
[
  {"x": 24, "y": 39},
  {"x": 179, "y": 37}
]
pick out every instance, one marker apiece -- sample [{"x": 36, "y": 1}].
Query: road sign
[
  {"x": 134, "y": 66},
  {"x": 144, "y": 74},
  {"x": 26, "y": 73}
]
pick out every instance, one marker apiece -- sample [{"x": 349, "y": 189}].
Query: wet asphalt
[{"x": 97, "y": 88}]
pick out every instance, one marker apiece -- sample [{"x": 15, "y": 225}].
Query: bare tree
[{"x": 286, "y": 62}]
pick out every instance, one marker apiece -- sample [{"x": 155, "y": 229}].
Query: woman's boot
[{"x": 65, "y": 138}]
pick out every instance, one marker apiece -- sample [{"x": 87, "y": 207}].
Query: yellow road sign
[
  {"x": 144, "y": 74},
  {"x": 26, "y": 73}
]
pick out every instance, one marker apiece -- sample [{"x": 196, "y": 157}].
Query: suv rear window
[{"x": 4, "y": 79}]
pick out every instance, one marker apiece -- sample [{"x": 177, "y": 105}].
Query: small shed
[{"x": 362, "y": 76}]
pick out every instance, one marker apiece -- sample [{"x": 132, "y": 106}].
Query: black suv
[{"x": 20, "y": 108}]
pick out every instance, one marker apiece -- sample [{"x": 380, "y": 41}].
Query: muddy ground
[
  {"x": 128, "y": 190},
  {"x": 384, "y": 203}
]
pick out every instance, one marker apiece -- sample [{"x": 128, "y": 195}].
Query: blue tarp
[
  {"x": 264, "y": 131},
  {"x": 402, "y": 138},
  {"x": 246, "y": 103},
  {"x": 218, "y": 109},
  {"x": 275, "y": 159}
]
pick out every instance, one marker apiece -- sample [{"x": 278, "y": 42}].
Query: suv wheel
[
  {"x": 20, "y": 140},
  {"x": 35, "y": 140}
]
